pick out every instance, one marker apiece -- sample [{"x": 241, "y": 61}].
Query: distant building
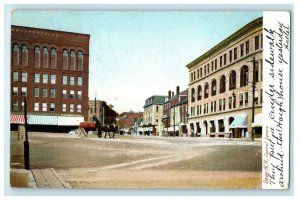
[
  {"x": 96, "y": 109},
  {"x": 153, "y": 111},
  {"x": 220, "y": 86},
  {"x": 127, "y": 119},
  {"x": 174, "y": 117},
  {"x": 50, "y": 69}
]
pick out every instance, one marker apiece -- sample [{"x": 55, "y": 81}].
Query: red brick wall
[{"x": 32, "y": 37}]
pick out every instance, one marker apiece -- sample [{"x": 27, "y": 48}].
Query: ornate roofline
[{"x": 248, "y": 27}]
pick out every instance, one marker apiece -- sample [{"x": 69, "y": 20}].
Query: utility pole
[
  {"x": 253, "y": 96},
  {"x": 26, "y": 142}
]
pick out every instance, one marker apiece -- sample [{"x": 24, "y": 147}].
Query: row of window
[
  {"x": 46, "y": 107},
  {"x": 233, "y": 55},
  {"x": 212, "y": 106},
  {"x": 45, "y": 78},
  {"x": 45, "y": 93},
  {"x": 68, "y": 58},
  {"x": 244, "y": 81}
]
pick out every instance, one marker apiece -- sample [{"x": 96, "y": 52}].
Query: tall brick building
[
  {"x": 220, "y": 86},
  {"x": 50, "y": 69}
]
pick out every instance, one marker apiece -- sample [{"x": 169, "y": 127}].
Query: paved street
[{"x": 144, "y": 162}]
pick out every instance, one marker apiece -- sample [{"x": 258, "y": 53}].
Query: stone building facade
[
  {"x": 153, "y": 111},
  {"x": 96, "y": 109},
  {"x": 51, "y": 70},
  {"x": 220, "y": 85}
]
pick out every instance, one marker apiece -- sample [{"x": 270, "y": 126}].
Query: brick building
[
  {"x": 174, "y": 117},
  {"x": 50, "y": 69},
  {"x": 128, "y": 119},
  {"x": 220, "y": 85}
]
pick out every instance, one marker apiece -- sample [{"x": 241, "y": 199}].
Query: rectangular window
[
  {"x": 207, "y": 68},
  {"x": 256, "y": 42},
  {"x": 230, "y": 56},
  {"x": 72, "y": 80},
  {"x": 198, "y": 73},
  {"x": 256, "y": 71},
  {"x": 247, "y": 47},
  {"x": 44, "y": 91},
  {"x": 15, "y": 91},
  {"x": 211, "y": 107},
  {"x": 64, "y": 107},
  {"x": 216, "y": 64},
  {"x": 194, "y": 76},
  {"x": 64, "y": 94},
  {"x": 14, "y": 105},
  {"x": 44, "y": 107},
  {"x": 220, "y": 61},
  {"x": 241, "y": 100},
  {"x": 230, "y": 103},
  {"x": 220, "y": 105},
  {"x": 52, "y": 93},
  {"x": 79, "y": 108},
  {"x": 204, "y": 110},
  {"x": 201, "y": 72},
  {"x": 65, "y": 80},
  {"x": 52, "y": 107},
  {"x": 45, "y": 78},
  {"x": 191, "y": 77},
  {"x": 53, "y": 79},
  {"x": 261, "y": 41},
  {"x": 71, "y": 107},
  {"x": 224, "y": 57},
  {"x": 24, "y": 76},
  {"x": 200, "y": 107},
  {"x": 36, "y": 92},
  {"x": 235, "y": 53},
  {"x": 72, "y": 94},
  {"x": 215, "y": 106},
  {"x": 24, "y": 91},
  {"x": 36, "y": 106},
  {"x": 156, "y": 108},
  {"x": 36, "y": 78},
  {"x": 256, "y": 97},
  {"x": 224, "y": 104},
  {"x": 261, "y": 96},
  {"x": 246, "y": 99},
  {"x": 212, "y": 66},
  {"x": 242, "y": 50},
  {"x": 15, "y": 76},
  {"x": 204, "y": 70}
]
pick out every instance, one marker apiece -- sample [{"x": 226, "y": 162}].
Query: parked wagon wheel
[
  {"x": 80, "y": 132},
  {"x": 90, "y": 134}
]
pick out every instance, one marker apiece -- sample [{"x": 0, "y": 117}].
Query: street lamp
[{"x": 26, "y": 142}]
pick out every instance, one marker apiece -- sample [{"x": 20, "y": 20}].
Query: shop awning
[
  {"x": 43, "y": 120},
  {"x": 18, "y": 119},
  {"x": 258, "y": 120},
  {"x": 171, "y": 128},
  {"x": 69, "y": 121},
  {"x": 240, "y": 121}
]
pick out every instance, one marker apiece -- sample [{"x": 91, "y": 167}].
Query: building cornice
[{"x": 248, "y": 27}]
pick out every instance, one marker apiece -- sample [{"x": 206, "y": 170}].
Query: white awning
[
  {"x": 69, "y": 121},
  {"x": 240, "y": 121},
  {"x": 171, "y": 128},
  {"x": 258, "y": 120},
  {"x": 42, "y": 120}
]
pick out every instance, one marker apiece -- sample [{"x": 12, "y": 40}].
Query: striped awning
[
  {"x": 69, "y": 121},
  {"x": 18, "y": 119},
  {"x": 240, "y": 121},
  {"x": 43, "y": 120},
  {"x": 258, "y": 120}
]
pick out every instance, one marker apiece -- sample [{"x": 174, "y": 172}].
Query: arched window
[
  {"x": 45, "y": 57},
  {"x": 79, "y": 60},
  {"x": 199, "y": 92},
  {"x": 213, "y": 87},
  {"x": 53, "y": 58},
  {"x": 72, "y": 66},
  {"x": 65, "y": 59},
  {"x": 232, "y": 80},
  {"x": 24, "y": 56},
  {"x": 15, "y": 55},
  {"x": 244, "y": 76},
  {"x": 193, "y": 95},
  {"x": 206, "y": 90},
  {"x": 37, "y": 56},
  {"x": 222, "y": 84}
]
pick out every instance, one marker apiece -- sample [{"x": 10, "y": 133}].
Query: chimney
[
  {"x": 169, "y": 94},
  {"x": 172, "y": 94},
  {"x": 177, "y": 90}
]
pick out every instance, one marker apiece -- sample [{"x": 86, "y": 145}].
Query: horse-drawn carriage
[{"x": 89, "y": 128}]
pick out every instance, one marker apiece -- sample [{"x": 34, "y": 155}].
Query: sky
[{"x": 137, "y": 54}]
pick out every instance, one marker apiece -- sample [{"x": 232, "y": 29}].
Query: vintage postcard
[{"x": 149, "y": 99}]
